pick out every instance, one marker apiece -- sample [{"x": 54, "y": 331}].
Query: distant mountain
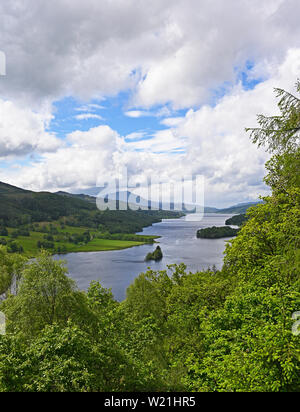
[
  {"x": 143, "y": 203},
  {"x": 91, "y": 199},
  {"x": 18, "y": 205},
  {"x": 208, "y": 209},
  {"x": 92, "y": 191},
  {"x": 91, "y": 194},
  {"x": 238, "y": 209}
]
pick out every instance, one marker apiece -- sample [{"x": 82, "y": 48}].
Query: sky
[{"x": 164, "y": 88}]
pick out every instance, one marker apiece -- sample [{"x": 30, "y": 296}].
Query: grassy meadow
[{"x": 69, "y": 240}]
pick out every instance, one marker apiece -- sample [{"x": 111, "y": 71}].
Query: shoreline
[
  {"x": 107, "y": 249},
  {"x": 107, "y": 243}
]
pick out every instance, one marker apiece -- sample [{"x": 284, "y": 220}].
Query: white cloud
[
  {"x": 172, "y": 121},
  {"x": 23, "y": 131},
  {"x": 175, "y": 54},
  {"x": 211, "y": 43},
  {"x": 163, "y": 141},
  {"x": 76, "y": 164},
  {"x": 88, "y": 116},
  {"x": 135, "y": 136},
  {"x": 135, "y": 114},
  {"x": 218, "y": 146},
  {"x": 168, "y": 51},
  {"x": 210, "y": 141},
  {"x": 89, "y": 107}
]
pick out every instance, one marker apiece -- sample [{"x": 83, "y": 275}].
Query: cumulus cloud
[
  {"x": 179, "y": 55},
  {"x": 164, "y": 51},
  {"x": 23, "y": 131},
  {"x": 217, "y": 145},
  {"x": 77, "y": 163},
  {"x": 210, "y": 141}
]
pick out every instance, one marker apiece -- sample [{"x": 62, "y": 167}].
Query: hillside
[
  {"x": 87, "y": 198},
  {"x": 240, "y": 208},
  {"x": 18, "y": 206}
]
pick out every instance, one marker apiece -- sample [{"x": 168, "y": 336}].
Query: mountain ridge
[{"x": 16, "y": 201}]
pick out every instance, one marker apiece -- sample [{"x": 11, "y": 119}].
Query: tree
[
  {"x": 156, "y": 255},
  {"x": 280, "y": 133},
  {"x": 249, "y": 345},
  {"x": 11, "y": 267},
  {"x": 3, "y": 231},
  {"x": 46, "y": 296}
]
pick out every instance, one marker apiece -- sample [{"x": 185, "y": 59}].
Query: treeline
[
  {"x": 131, "y": 237},
  {"x": 216, "y": 232},
  {"x": 12, "y": 246},
  {"x": 237, "y": 220}
]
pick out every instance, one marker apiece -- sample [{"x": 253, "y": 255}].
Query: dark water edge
[{"x": 118, "y": 269}]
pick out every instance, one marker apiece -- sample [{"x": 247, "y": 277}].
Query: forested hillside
[
  {"x": 62, "y": 223},
  {"x": 228, "y": 330},
  {"x": 20, "y": 207}
]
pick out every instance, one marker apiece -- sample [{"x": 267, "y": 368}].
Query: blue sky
[{"x": 113, "y": 111}]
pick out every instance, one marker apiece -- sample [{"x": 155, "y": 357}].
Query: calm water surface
[{"x": 118, "y": 269}]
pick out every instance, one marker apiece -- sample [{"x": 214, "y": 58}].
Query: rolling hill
[
  {"x": 238, "y": 209},
  {"x": 20, "y": 207}
]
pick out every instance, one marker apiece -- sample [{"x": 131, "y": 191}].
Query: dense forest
[
  {"x": 237, "y": 220},
  {"x": 227, "y": 330},
  {"x": 20, "y": 208}
]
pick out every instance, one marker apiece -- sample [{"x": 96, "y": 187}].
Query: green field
[
  {"x": 105, "y": 244},
  {"x": 62, "y": 245}
]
